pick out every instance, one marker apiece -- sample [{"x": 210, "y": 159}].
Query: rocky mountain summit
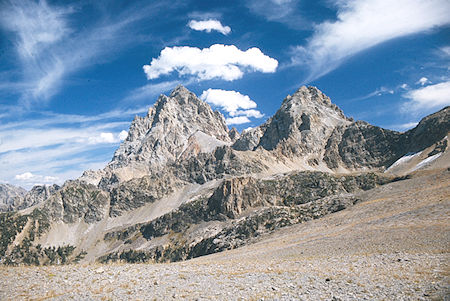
[
  {"x": 179, "y": 126},
  {"x": 183, "y": 185}
]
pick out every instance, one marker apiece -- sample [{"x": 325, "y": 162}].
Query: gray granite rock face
[
  {"x": 430, "y": 129},
  {"x": 361, "y": 145}
]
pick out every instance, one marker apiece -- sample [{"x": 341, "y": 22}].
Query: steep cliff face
[
  {"x": 361, "y": 145},
  {"x": 38, "y": 194}
]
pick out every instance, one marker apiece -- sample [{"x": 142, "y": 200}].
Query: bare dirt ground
[{"x": 393, "y": 245}]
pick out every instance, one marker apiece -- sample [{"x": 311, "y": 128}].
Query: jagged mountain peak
[
  {"x": 309, "y": 93},
  {"x": 300, "y": 127},
  {"x": 309, "y": 98},
  {"x": 177, "y": 126},
  {"x": 181, "y": 92}
]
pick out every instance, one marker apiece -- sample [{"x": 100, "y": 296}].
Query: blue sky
[{"x": 74, "y": 74}]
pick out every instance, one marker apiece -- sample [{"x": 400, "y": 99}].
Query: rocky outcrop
[
  {"x": 361, "y": 145},
  {"x": 243, "y": 208},
  {"x": 138, "y": 192},
  {"x": 223, "y": 161},
  {"x": 77, "y": 200},
  {"x": 38, "y": 194},
  {"x": 16, "y": 198}
]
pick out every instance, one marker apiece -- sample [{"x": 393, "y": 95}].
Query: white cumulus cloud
[
  {"x": 429, "y": 97},
  {"x": 102, "y": 138},
  {"x": 248, "y": 113},
  {"x": 230, "y": 101},
  {"x": 219, "y": 61},
  {"x": 25, "y": 176},
  {"x": 28, "y": 177},
  {"x": 209, "y": 25},
  {"x": 237, "y": 120},
  {"x": 238, "y": 106},
  {"x": 364, "y": 24}
]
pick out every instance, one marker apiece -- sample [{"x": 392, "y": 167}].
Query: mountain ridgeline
[{"x": 183, "y": 185}]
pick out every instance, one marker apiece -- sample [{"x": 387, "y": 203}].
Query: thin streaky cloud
[
  {"x": 428, "y": 98},
  {"x": 44, "y": 68},
  {"x": 363, "y": 24}
]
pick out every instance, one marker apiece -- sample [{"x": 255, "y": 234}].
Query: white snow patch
[
  {"x": 207, "y": 143},
  {"x": 427, "y": 161},
  {"x": 406, "y": 158}
]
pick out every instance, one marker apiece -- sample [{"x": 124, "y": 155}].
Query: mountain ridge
[{"x": 207, "y": 188}]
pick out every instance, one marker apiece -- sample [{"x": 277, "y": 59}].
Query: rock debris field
[{"x": 393, "y": 245}]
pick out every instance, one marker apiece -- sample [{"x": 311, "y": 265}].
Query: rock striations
[{"x": 182, "y": 185}]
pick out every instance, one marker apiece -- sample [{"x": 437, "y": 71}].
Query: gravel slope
[{"x": 394, "y": 245}]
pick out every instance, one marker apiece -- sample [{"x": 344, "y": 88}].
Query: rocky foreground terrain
[{"x": 392, "y": 245}]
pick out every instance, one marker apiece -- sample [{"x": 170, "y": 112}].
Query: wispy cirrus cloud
[
  {"x": 60, "y": 145},
  {"x": 36, "y": 24},
  {"x": 282, "y": 11},
  {"x": 50, "y": 49},
  {"x": 428, "y": 98},
  {"x": 149, "y": 91},
  {"x": 363, "y": 24}
]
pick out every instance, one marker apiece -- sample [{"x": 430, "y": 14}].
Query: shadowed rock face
[
  {"x": 37, "y": 194},
  {"x": 430, "y": 129},
  {"x": 360, "y": 145},
  {"x": 77, "y": 200}
]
